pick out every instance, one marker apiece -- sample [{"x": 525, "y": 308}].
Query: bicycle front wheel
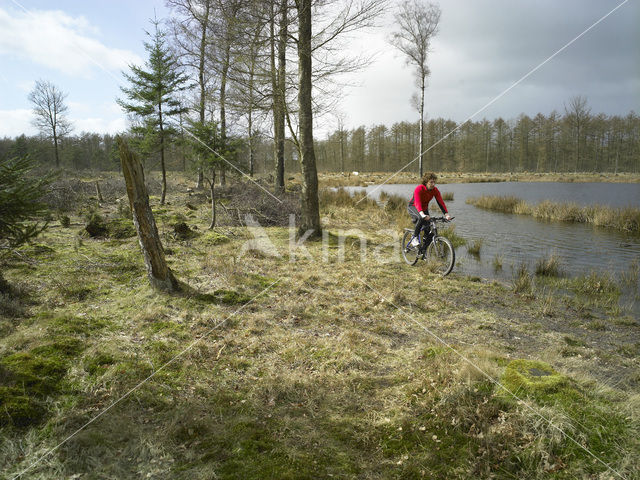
[
  {"x": 441, "y": 256},
  {"x": 409, "y": 253}
]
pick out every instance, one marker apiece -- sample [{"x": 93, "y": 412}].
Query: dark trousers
[{"x": 417, "y": 219}]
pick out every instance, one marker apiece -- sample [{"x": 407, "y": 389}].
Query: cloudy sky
[{"x": 483, "y": 47}]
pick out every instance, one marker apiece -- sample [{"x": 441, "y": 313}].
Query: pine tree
[
  {"x": 153, "y": 98},
  {"x": 21, "y": 209}
]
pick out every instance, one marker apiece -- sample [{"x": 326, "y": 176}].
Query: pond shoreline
[
  {"x": 337, "y": 179},
  {"x": 508, "y": 241},
  {"x": 621, "y": 219}
]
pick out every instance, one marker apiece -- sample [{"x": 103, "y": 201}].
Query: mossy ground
[{"x": 321, "y": 363}]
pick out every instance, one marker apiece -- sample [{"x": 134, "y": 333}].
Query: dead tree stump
[
  {"x": 99, "y": 193},
  {"x": 158, "y": 271}
]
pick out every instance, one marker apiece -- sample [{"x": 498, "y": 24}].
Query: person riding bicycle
[{"x": 419, "y": 204}]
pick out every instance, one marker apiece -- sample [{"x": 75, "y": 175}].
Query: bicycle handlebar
[{"x": 441, "y": 219}]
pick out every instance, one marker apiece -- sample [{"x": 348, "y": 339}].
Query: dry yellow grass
[{"x": 314, "y": 363}]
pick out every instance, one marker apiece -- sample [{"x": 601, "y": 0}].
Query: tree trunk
[
  {"x": 421, "y": 123},
  {"x": 250, "y": 109},
  {"x": 278, "y": 78},
  {"x": 213, "y": 199},
  {"x": 158, "y": 271},
  {"x": 310, "y": 211},
  {"x": 201, "y": 64},
  {"x": 164, "y": 170},
  {"x": 223, "y": 104},
  {"x": 342, "y": 150},
  {"x": 55, "y": 146},
  {"x": 200, "y": 178},
  {"x": 99, "y": 194},
  {"x": 201, "y": 81},
  {"x": 251, "y": 144}
]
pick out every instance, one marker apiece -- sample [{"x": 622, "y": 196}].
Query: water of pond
[{"x": 520, "y": 238}]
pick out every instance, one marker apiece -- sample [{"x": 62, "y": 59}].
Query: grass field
[{"x": 329, "y": 359}]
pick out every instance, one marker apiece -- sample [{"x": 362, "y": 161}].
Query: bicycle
[{"x": 435, "y": 249}]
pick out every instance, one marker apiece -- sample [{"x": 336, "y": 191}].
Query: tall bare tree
[
  {"x": 417, "y": 25},
  {"x": 50, "y": 113},
  {"x": 250, "y": 93},
  {"x": 226, "y": 30},
  {"x": 578, "y": 115},
  {"x": 310, "y": 211},
  {"x": 191, "y": 31},
  {"x": 278, "y": 82},
  {"x": 342, "y": 136}
]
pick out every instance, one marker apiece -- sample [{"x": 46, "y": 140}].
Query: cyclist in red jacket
[{"x": 419, "y": 204}]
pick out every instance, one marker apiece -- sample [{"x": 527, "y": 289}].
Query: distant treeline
[{"x": 553, "y": 143}]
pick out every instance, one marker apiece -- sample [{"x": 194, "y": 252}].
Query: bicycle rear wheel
[
  {"x": 409, "y": 253},
  {"x": 441, "y": 256}
]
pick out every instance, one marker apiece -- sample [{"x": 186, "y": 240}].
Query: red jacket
[{"x": 422, "y": 196}]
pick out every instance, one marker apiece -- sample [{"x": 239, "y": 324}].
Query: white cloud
[
  {"x": 101, "y": 117},
  {"x": 99, "y": 125},
  {"x": 16, "y": 122},
  {"x": 113, "y": 108},
  {"x": 55, "y": 39},
  {"x": 26, "y": 86}
]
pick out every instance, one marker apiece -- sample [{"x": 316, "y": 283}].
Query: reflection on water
[{"x": 520, "y": 238}]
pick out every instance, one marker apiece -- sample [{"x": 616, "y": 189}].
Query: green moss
[
  {"x": 165, "y": 326},
  {"x": 223, "y": 296},
  {"x": 97, "y": 362},
  {"x": 433, "y": 352},
  {"x": 162, "y": 352},
  {"x": 261, "y": 281},
  {"x": 37, "y": 249},
  {"x": 79, "y": 325},
  {"x": 174, "y": 218},
  {"x": 125, "y": 265},
  {"x": 130, "y": 371},
  {"x": 121, "y": 228},
  {"x": 62, "y": 348},
  {"x": 573, "y": 342},
  {"x": 18, "y": 409},
  {"x": 595, "y": 417},
  {"x": 96, "y": 225},
  {"x": 36, "y": 374},
  {"x": 214, "y": 238},
  {"x": 523, "y": 377},
  {"x": 77, "y": 292}
]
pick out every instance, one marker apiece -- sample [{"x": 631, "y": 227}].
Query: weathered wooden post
[
  {"x": 99, "y": 193},
  {"x": 159, "y": 273}
]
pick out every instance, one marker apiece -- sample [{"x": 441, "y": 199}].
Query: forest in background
[
  {"x": 221, "y": 80},
  {"x": 573, "y": 142}
]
